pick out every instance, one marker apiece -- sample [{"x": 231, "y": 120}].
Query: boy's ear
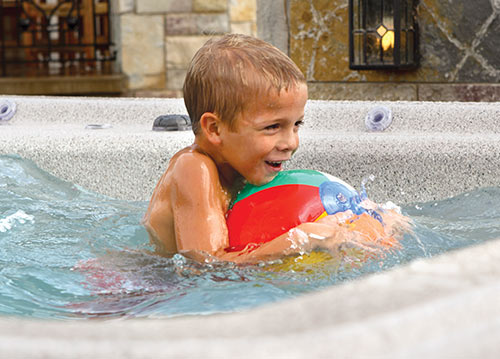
[{"x": 210, "y": 125}]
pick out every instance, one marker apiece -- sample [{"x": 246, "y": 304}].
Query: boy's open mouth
[{"x": 276, "y": 165}]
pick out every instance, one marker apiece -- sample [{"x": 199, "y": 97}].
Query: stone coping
[
  {"x": 414, "y": 117},
  {"x": 412, "y": 159},
  {"x": 444, "y": 306}
]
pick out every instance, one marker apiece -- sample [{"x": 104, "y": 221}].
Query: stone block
[
  {"x": 181, "y": 49},
  {"x": 489, "y": 45},
  {"x": 121, "y": 6},
  {"x": 141, "y": 81},
  {"x": 212, "y": 24},
  {"x": 64, "y": 85},
  {"x": 364, "y": 91},
  {"x": 142, "y": 47},
  {"x": 175, "y": 79},
  {"x": 440, "y": 55},
  {"x": 196, "y": 24},
  {"x": 243, "y": 10},
  {"x": 475, "y": 71},
  {"x": 459, "y": 20},
  {"x": 180, "y": 24},
  {"x": 245, "y": 28},
  {"x": 272, "y": 23},
  {"x": 155, "y": 93},
  {"x": 319, "y": 38},
  {"x": 163, "y": 6},
  {"x": 209, "y": 5},
  {"x": 459, "y": 92}
]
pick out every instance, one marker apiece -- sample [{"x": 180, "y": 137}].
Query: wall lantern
[{"x": 383, "y": 34}]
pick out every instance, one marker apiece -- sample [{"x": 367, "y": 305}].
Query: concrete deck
[{"x": 447, "y": 306}]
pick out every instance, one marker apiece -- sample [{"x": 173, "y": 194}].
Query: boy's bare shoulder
[
  {"x": 191, "y": 165},
  {"x": 192, "y": 160}
]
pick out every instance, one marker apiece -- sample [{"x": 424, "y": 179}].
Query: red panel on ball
[{"x": 267, "y": 214}]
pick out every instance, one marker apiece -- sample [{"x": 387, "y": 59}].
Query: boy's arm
[
  {"x": 304, "y": 237},
  {"x": 198, "y": 206}
]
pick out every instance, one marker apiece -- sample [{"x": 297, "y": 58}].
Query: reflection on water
[{"x": 69, "y": 253}]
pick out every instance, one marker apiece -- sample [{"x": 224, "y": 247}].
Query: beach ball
[{"x": 261, "y": 213}]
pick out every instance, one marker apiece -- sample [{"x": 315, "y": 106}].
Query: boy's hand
[
  {"x": 337, "y": 218},
  {"x": 323, "y": 234}
]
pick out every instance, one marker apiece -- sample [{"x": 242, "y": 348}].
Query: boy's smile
[{"x": 265, "y": 135}]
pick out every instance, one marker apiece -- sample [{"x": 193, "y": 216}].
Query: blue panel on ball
[{"x": 336, "y": 197}]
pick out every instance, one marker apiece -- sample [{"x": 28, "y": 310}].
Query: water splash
[
  {"x": 20, "y": 217},
  {"x": 363, "y": 195}
]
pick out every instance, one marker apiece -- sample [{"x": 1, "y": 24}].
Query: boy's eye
[
  {"x": 299, "y": 123},
  {"x": 272, "y": 127}
]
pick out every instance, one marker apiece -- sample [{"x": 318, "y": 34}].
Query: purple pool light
[
  {"x": 378, "y": 119},
  {"x": 7, "y": 110}
]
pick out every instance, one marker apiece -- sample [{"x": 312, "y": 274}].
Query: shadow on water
[{"x": 69, "y": 253}]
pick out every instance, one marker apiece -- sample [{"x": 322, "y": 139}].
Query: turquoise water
[{"x": 71, "y": 254}]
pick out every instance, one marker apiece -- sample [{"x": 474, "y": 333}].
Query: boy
[{"x": 246, "y": 101}]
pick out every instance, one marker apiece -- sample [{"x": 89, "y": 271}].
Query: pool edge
[{"x": 462, "y": 318}]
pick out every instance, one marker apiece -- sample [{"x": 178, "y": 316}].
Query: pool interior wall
[{"x": 444, "y": 306}]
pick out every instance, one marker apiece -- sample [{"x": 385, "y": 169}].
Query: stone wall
[
  {"x": 156, "y": 39},
  {"x": 459, "y": 47}
]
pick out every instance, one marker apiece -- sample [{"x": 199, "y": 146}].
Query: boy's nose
[{"x": 289, "y": 142}]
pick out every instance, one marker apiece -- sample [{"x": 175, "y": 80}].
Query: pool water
[{"x": 68, "y": 253}]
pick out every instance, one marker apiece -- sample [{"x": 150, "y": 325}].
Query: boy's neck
[{"x": 229, "y": 178}]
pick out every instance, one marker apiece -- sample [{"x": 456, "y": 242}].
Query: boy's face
[{"x": 265, "y": 135}]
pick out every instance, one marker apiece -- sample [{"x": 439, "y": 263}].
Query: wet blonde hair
[{"x": 229, "y": 72}]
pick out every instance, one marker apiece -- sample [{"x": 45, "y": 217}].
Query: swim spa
[{"x": 431, "y": 151}]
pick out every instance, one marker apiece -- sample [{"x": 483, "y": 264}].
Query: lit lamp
[{"x": 383, "y": 34}]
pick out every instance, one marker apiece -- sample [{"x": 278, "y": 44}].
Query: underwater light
[
  {"x": 378, "y": 118},
  {"x": 7, "y": 110}
]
